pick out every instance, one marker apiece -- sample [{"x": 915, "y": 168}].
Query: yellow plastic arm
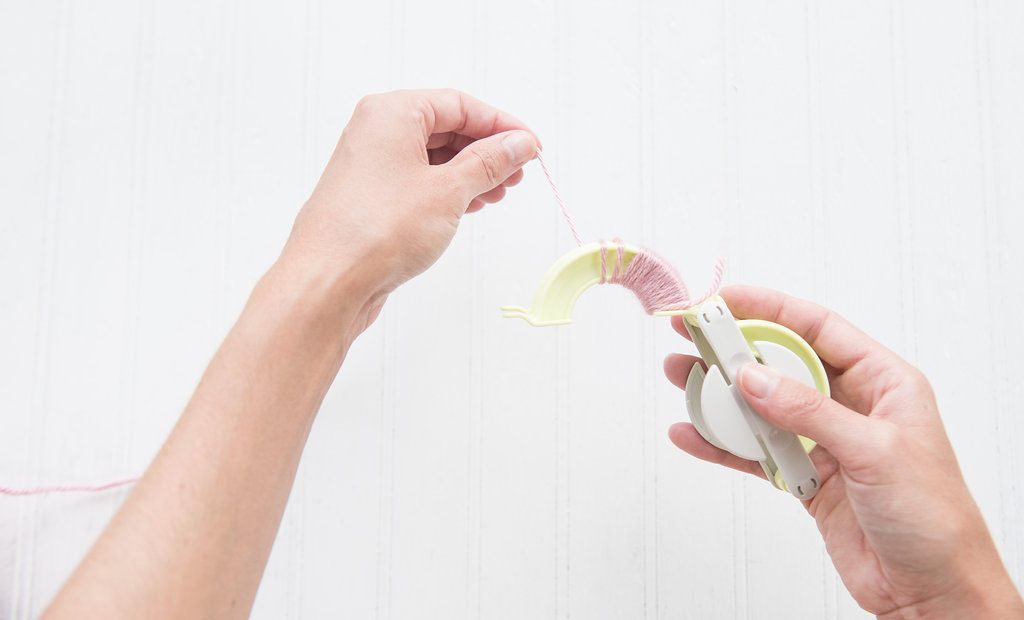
[{"x": 565, "y": 281}]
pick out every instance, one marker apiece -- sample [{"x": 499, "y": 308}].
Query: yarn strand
[
  {"x": 81, "y": 488},
  {"x": 558, "y": 199},
  {"x": 657, "y": 285},
  {"x": 716, "y": 281}
]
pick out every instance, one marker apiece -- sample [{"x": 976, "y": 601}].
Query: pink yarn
[
  {"x": 558, "y": 199},
  {"x": 618, "y": 261},
  {"x": 716, "y": 281},
  {"x": 651, "y": 279},
  {"x": 46, "y": 490},
  {"x": 655, "y": 283}
]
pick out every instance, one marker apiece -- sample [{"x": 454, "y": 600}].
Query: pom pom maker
[
  {"x": 723, "y": 417},
  {"x": 725, "y": 344}
]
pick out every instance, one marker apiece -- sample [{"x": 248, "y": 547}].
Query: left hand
[
  {"x": 192, "y": 539},
  {"x": 408, "y": 166}
]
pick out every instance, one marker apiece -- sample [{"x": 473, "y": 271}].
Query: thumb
[
  {"x": 486, "y": 163},
  {"x": 795, "y": 407}
]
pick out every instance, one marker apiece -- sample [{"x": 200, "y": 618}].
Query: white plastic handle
[{"x": 724, "y": 418}]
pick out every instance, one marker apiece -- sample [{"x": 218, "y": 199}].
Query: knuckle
[
  {"x": 368, "y": 103},
  {"x": 491, "y": 164},
  {"x": 376, "y": 103},
  {"x": 919, "y": 381},
  {"x": 798, "y": 399},
  {"x": 450, "y": 96}
]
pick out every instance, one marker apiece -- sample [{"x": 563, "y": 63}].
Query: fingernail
[
  {"x": 521, "y": 146},
  {"x": 758, "y": 380}
]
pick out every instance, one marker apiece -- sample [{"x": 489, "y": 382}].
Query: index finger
[
  {"x": 833, "y": 338},
  {"x": 450, "y": 110}
]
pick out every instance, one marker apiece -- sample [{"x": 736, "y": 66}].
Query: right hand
[{"x": 894, "y": 510}]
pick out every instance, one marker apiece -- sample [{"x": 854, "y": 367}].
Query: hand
[
  {"x": 897, "y": 518},
  {"x": 407, "y": 167}
]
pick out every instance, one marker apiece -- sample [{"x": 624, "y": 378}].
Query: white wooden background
[{"x": 866, "y": 155}]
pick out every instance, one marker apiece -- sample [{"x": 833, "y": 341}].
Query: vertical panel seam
[
  {"x": 562, "y": 408},
  {"x": 21, "y": 595},
  {"x": 732, "y": 167},
  {"x": 386, "y": 510},
  {"x": 1004, "y": 431},
  {"x": 816, "y": 182},
  {"x": 648, "y": 419},
  {"x": 904, "y": 197},
  {"x": 474, "y": 443}
]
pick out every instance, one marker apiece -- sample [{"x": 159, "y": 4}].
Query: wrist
[
  {"x": 985, "y": 592},
  {"x": 337, "y": 294}
]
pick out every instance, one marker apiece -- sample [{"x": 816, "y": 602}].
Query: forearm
[{"x": 193, "y": 537}]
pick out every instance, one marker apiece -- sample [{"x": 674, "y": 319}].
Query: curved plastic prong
[
  {"x": 694, "y": 387},
  {"x": 724, "y": 418},
  {"x": 564, "y": 282}
]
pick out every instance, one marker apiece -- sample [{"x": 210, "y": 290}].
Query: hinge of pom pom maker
[{"x": 716, "y": 408}]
